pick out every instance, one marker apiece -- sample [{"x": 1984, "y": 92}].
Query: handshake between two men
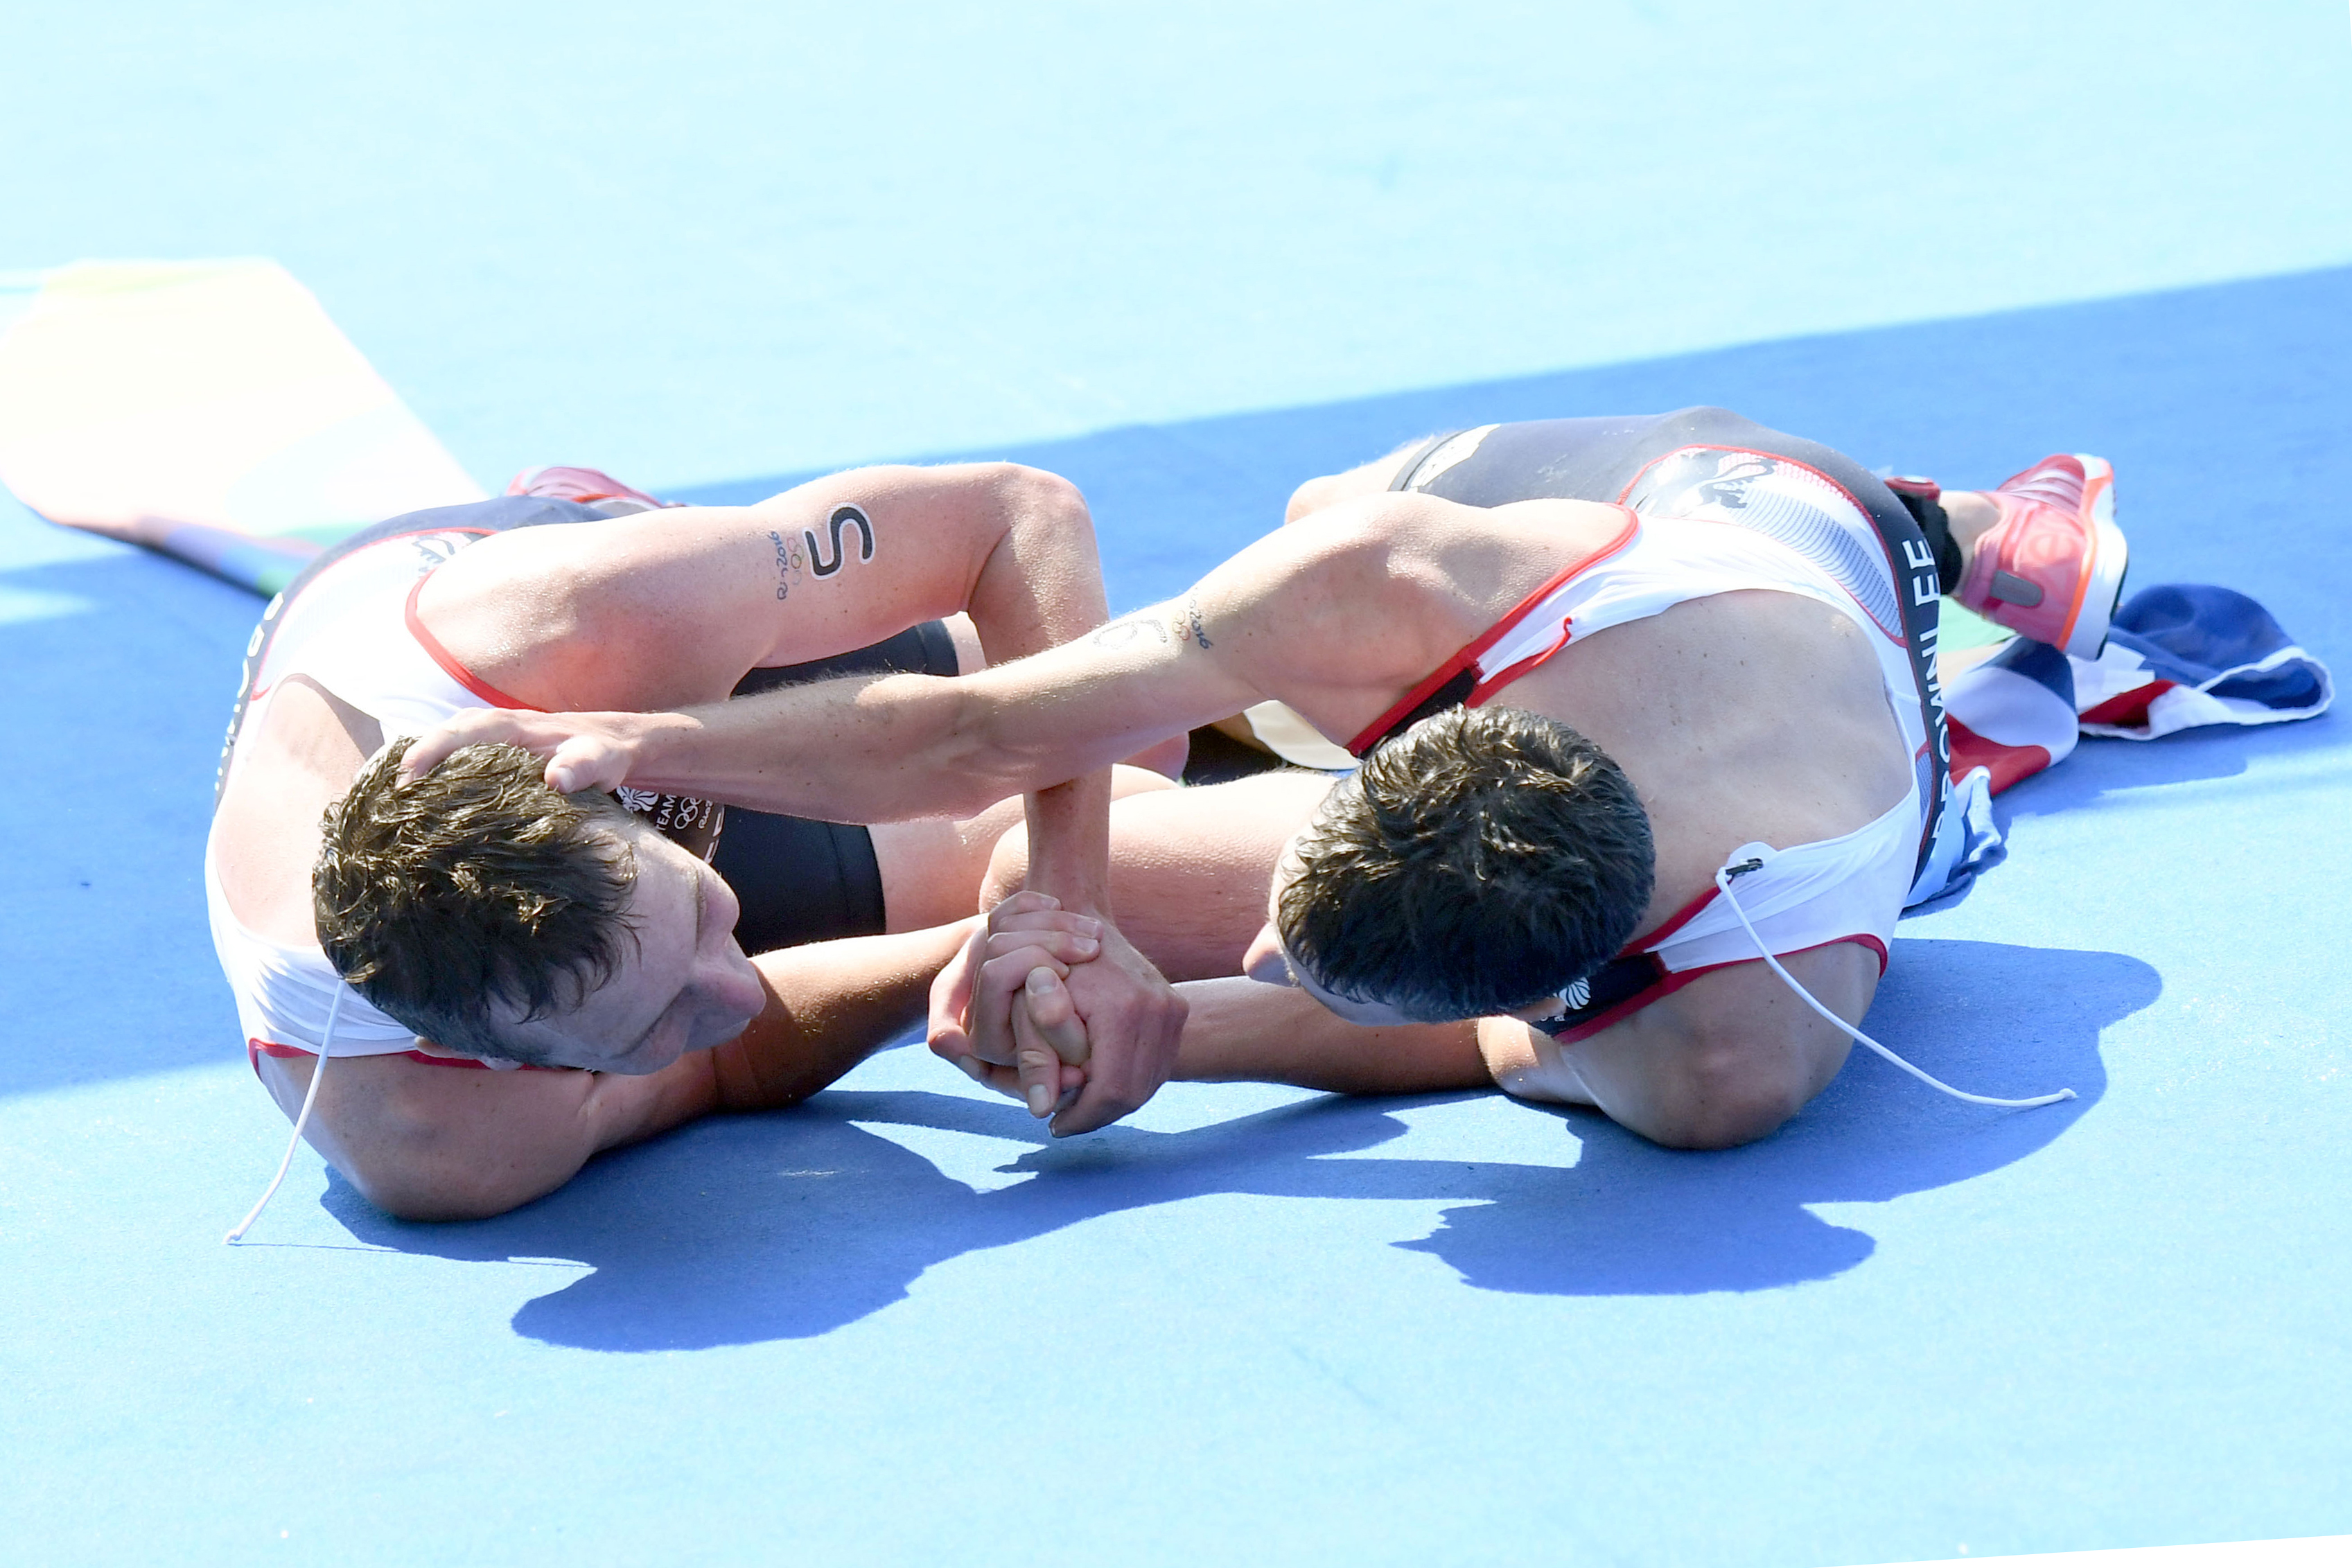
[{"x": 1020, "y": 1005}]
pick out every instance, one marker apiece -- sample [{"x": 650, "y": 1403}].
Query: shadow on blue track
[
  {"x": 2222, "y": 407},
  {"x": 2105, "y": 772},
  {"x": 119, "y": 671},
  {"x": 791, "y": 1224},
  {"x": 1985, "y": 1016}
]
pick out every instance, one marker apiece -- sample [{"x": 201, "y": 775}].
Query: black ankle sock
[{"x": 1928, "y": 512}]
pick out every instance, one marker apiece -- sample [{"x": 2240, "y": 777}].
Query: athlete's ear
[{"x": 1264, "y": 961}]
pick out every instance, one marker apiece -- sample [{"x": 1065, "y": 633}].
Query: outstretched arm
[
  {"x": 1335, "y": 615},
  {"x": 1243, "y": 1030}
]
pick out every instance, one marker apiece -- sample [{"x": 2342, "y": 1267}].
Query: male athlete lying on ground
[
  {"x": 1592, "y": 663},
  {"x": 579, "y": 593}
]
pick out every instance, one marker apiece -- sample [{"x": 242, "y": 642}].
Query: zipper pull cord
[
  {"x": 1723, "y": 881},
  {"x": 309, "y": 1098}
]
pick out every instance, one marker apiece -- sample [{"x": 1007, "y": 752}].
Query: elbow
[
  {"x": 1043, "y": 496},
  {"x": 1034, "y": 507},
  {"x": 1047, "y": 584}
]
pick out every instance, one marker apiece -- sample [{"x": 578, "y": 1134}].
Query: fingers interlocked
[{"x": 1001, "y": 1011}]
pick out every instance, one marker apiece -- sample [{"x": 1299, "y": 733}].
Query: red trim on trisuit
[
  {"x": 449, "y": 661},
  {"x": 1676, "y": 980},
  {"x": 255, "y": 1049},
  {"x": 1379, "y": 728}
]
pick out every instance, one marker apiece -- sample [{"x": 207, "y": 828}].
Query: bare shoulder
[
  {"x": 601, "y": 615},
  {"x": 669, "y": 608},
  {"x": 1378, "y": 591},
  {"x": 287, "y": 767},
  {"x": 1731, "y": 1055},
  {"x": 1415, "y": 553},
  {"x": 1424, "y": 544}
]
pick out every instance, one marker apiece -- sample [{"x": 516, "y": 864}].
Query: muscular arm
[
  {"x": 1723, "y": 1062},
  {"x": 1244, "y": 1031},
  {"x": 1336, "y": 615},
  {"x": 668, "y": 608}
]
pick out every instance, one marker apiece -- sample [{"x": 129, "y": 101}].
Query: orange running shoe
[
  {"x": 581, "y": 485},
  {"x": 2052, "y": 568}
]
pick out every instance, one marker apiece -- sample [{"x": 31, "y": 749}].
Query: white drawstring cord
[
  {"x": 309, "y": 1098},
  {"x": 1723, "y": 880}
]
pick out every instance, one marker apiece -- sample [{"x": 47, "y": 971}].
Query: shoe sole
[{"x": 2101, "y": 586}]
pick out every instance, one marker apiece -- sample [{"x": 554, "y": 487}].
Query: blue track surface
[{"x": 1189, "y": 260}]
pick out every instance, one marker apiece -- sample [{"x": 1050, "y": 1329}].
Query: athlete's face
[
  {"x": 1269, "y": 961},
  {"x": 682, "y": 984}
]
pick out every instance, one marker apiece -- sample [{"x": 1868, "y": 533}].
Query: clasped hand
[
  {"x": 1053, "y": 1007},
  {"x": 1059, "y": 1010}
]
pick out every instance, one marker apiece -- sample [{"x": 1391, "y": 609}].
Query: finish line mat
[{"x": 206, "y": 409}]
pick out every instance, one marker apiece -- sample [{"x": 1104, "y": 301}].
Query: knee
[
  {"x": 1008, "y": 868},
  {"x": 1312, "y": 497}
]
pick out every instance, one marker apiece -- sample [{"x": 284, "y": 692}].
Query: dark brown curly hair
[
  {"x": 472, "y": 885},
  {"x": 1482, "y": 860}
]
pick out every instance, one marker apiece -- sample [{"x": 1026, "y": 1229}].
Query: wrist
[
  {"x": 648, "y": 751},
  {"x": 1071, "y": 887},
  {"x": 1069, "y": 837},
  {"x": 1074, "y": 904},
  {"x": 657, "y": 746}
]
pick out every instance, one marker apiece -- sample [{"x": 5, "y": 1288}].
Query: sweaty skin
[
  {"x": 1745, "y": 715},
  {"x": 657, "y": 610}
]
